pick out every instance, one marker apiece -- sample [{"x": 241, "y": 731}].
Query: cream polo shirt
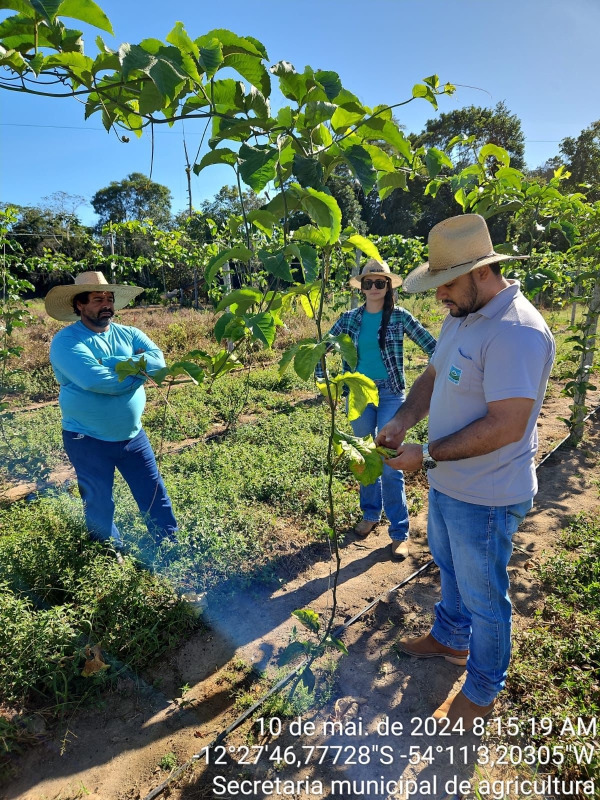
[{"x": 503, "y": 350}]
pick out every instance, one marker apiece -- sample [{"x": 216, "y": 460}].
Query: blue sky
[{"x": 539, "y": 56}]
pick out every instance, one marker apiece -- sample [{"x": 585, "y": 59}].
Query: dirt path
[{"x": 112, "y": 753}]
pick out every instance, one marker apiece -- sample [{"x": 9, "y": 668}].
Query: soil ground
[{"x": 112, "y": 753}]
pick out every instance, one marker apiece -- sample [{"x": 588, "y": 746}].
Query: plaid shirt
[{"x": 401, "y": 322}]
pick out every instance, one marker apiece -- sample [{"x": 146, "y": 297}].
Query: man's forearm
[{"x": 416, "y": 406}]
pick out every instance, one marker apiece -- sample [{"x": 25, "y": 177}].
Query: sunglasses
[{"x": 380, "y": 283}]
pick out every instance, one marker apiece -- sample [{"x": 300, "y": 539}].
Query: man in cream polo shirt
[{"x": 483, "y": 390}]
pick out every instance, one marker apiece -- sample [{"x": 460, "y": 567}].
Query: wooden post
[{"x": 355, "y": 272}]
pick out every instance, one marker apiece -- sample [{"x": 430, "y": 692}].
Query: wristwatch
[{"x": 428, "y": 461}]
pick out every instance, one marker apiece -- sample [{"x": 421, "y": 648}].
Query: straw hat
[
  {"x": 59, "y": 301},
  {"x": 374, "y": 267},
  {"x": 456, "y": 246}
]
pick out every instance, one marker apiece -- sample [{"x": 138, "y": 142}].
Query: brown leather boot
[
  {"x": 428, "y": 647},
  {"x": 364, "y": 528},
  {"x": 460, "y": 707}
]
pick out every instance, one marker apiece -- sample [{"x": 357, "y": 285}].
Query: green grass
[{"x": 555, "y": 669}]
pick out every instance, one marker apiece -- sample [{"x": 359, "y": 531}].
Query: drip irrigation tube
[{"x": 293, "y": 673}]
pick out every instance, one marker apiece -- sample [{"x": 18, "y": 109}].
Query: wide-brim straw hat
[
  {"x": 59, "y": 300},
  {"x": 456, "y": 246},
  {"x": 372, "y": 268}
]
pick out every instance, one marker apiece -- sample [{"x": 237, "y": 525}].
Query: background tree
[
  {"x": 581, "y": 156},
  {"x": 136, "y": 197}
]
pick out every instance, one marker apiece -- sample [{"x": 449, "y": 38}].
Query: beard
[
  {"x": 101, "y": 319},
  {"x": 469, "y": 303}
]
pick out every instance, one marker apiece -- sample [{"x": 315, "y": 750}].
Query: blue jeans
[
  {"x": 472, "y": 545},
  {"x": 388, "y": 491},
  {"x": 95, "y": 461}
]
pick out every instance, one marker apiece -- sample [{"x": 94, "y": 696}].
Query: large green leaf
[
  {"x": 243, "y": 298},
  {"x": 307, "y": 256},
  {"x": 308, "y": 171},
  {"x": 211, "y": 57},
  {"x": 316, "y": 113},
  {"x": 492, "y": 150},
  {"x": 275, "y": 264},
  {"x": 257, "y": 165},
  {"x": 250, "y": 68},
  {"x": 76, "y": 60},
  {"x": 362, "y": 392},
  {"x": 257, "y": 102},
  {"x": 364, "y": 245},
  {"x": 364, "y": 461},
  {"x": 308, "y": 233},
  {"x": 330, "y": 81},
  {"x": 379, "y": 158},
  {"x": 47, "y": 9},
  {"x": 165, "y": 72},
  {"x": 263, "y": 327},
  {"x": 323, "y": 209},
  {"x": 308, "y": 618},
  {"x": 434, "y": 161},
  {"x": 219, "y": 156},
  {"x": 239, "y": 253},
  {"x": 232, "y": 43},
  {"x": 221, "y": 324},
  {"x": 263, "y": 220},
  {"x": 376, "y": 128},
  {"x": 387, "y": 182},
  {"x": 20, "y": 6},
  {"x": 359, "y": 161},
  {"x": 180, "y": 38},
  {"x": 291, "y": 653},
  {"x": 293, "y": 85},
  {"x": 307, "y": 358},
  {"x": 85, "y": 11},
  {"x": 344, "y": 118},
  {"x": 343, "y": 344}
]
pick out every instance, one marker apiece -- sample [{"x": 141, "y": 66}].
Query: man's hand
[
  {"x": 392, "y": 435},
  {"x": 409, "y": 459}
]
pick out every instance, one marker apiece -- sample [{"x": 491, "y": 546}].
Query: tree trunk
[{"x": 590, "y": 329}]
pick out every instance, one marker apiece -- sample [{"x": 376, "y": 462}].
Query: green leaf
[
  {"x": 493, "y": 151},
  {"x": 362, "y": 392},
  {"x": 307, "y": 358},
  {"x": 323, "y": 209},
  {"x": 232, "y": 43},
  {"x": 309, "y": 680},
  {"x": 293, "y": 85},
  {"x": 257, "y": 165},
  {"x": 275, "y": 264},
  {"x": 263, "y": 327},
  {"x": 47, "y": 9},
  {"x": 316, "y": 113},
  {"x": 316, "y": 236},
  {"x": 379, "y": 158},
  {"x": 421, "y": 90},
  {"x": 166, "y": 74},
  {"x": 310, "y": 299},
  {"x": 20, "y": 6},
  {"x": 376, "y": 128},
  {"x": 180, "y": 38},
  {"x": 257, "y": 102},
  {"x": 389, "y": 182},
  {"x": 307, "y": 256},
  {"x": 76, "y": 60},
  {"x": 331, "y": 641},
  {"x": 287, "y": 357},
  {"x": 345, "y": 346},
  {"x": 222, "y": 323},
  {"x": 250, "y": 68},
  {"x": 359, "y": 161},
  {"x": 364, "y": 462},
  {"x": 125, "y": 369},
  {"x": 240, "y": 253},
  {"x": 211, "y": 57},
  {"x": 308, "y": 618},
  {"x": 364, "y": 245},
  {"x": 219, "y": 156},
  {"x": 85, "y": 11},
  {"x": 344, "y": 118},
  {"x": 330, "y": 81},
  {"x": 291, "y": 653},
  {"x": 308, "y": 171},
  {"x": 263, "y": 220},
  {"x": 243, "y": 298},
  {"x": 434, "y": 161}
]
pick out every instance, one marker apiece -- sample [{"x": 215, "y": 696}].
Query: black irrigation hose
[{"x": 291, "y": 675}]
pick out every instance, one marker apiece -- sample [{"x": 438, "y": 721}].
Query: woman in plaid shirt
[{"x": 377, "y": 329}]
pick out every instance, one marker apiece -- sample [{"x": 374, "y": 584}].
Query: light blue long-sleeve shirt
[{"x": 92, "y": 399}]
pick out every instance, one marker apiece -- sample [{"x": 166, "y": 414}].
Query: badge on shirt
[{"x": 454, "y": 375}]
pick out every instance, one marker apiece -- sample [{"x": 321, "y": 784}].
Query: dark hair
[
  {"x": 83, "y": 298},
  {"x": 495, "y": 267},
  {"x": 388, "y": 307}
]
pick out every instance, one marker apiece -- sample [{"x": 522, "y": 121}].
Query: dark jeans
[{"x": 95, "y": 461}]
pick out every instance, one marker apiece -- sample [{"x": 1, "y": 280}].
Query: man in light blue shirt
[{"x": 101, "y": 416}]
